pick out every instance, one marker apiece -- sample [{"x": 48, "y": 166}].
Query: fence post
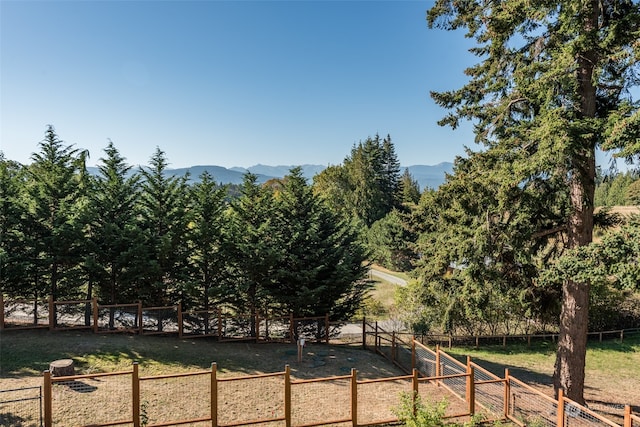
[
  {"x": 135, "y": 395},
  {"x": 354, "y": 398},
  {"x": 1, "y": 312},
  {"x": 364, "y": 332},
  {"x": 621, "y": 335},
  {"x": 52, "y": 313},
  {"x": 179, "y": 320},
  {"x": 627, "y": 416},
  {"x": 258, "y": 326},
  {"x": 413, "y": 352},
  {"x": 471, "y": 387},
  {"x": 292, "y": 336},
  {"x": 94, "y": 304},
  {"x": 393, "y": 346},
  {"x": 438, "y": 361},
  {"x": 560, "y": 421},
  {"x": 287, "y": 396},
  {"x": 48, "y": 416},
  {"x": 416, "y": 391},
  {"x": 375, "y": 336},
  {"x": 507, "y": 393},
  {"x": 140, "y": 322},
  {"x": 214, "y": 395},
  {"x": 219, "y": 324},
  {"x": 326, "y": 328}
]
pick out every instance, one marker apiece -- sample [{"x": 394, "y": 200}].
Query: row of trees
[
  {"x": 127, "y": 235},
  {"x": 619, "y": 189}
]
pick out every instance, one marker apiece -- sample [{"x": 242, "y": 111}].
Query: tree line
[{"x": 123, "y": 235}]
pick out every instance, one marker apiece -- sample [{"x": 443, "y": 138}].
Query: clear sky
[{"x": 229, "y": 83}]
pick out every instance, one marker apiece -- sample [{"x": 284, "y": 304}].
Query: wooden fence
[
  {"x": 504, "y": 398},
  {"x": 126, "y": 398},
  {"x": 134, "y": 318}
]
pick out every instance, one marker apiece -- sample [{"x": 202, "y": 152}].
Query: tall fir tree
[
  {"x": 552, "y": 84},
  {"x": 164, "y": 212},
  {"x": 207, "y": 237},
  {"x": 114, "y": 234},
  {"x": 323, "y": 268},
  {"x": 56, "y": 190}
]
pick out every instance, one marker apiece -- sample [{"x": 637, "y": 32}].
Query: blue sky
[{"x": 231, "y": 83}]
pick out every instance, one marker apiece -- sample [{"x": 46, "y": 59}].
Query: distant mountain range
[{"x": 426, "y": 176}]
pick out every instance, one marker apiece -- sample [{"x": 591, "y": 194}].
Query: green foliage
[
  {"x": 388, "y": 241},
  {"x": 414, "y": 412},
  {"x": 553, "y": 82},
  {"x": 322, "y": 264},
  {"x": 615, "y": 190},
  {"x": 367, "y": 185},
  {"x": 633, "y": 193}
]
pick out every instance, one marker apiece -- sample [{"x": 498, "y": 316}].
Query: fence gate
[{"x": 21, "y": 407}]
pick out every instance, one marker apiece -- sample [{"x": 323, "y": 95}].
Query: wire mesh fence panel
[
  {"x": 635, "y": 420},
  {"x": 489, "y": 390},
  {"x": 451, "y": 366},
  {"x": 26, "y": 314},
  {"x": 173, "y": 398},
  {"x": 21, "y": 407},
  {"x": 311, "y": 329},
  {"x": 322, "y": 401},
  {"x": 237, "y": 328},
  {"x": 160, "y": 320},
  {"x": 370, "y": 335},
  {"x": 377, "y": 399},
  {"x": 431, "y": 393},
  {"x": 576, "y": 415},
  {"x": 73, "y": 314},
  {"x": 345, "y": 332},
  {"x": 246, "y": 399},
  {"x": 118, "y": 318},
  {"x": 95, "y": 400},
  {"x": 531, "y": 407},
  {"x": 384, "y": 346},
  {"x": 425, "y": 361},
  {"x": 275, "y": 329},
  {"x": 403, "y": 356},
  {"x": 200, "y": 323}
]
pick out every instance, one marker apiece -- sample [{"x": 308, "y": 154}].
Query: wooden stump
[{"x": 61, "y": 368}]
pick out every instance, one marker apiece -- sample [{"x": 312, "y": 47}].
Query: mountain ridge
[{"x": 431, "y": 176}]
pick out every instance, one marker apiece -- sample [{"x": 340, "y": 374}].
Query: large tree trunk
[{"x": 574, "y": 318}]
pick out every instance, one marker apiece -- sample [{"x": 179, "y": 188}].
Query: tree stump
[{"x": 61, "y": 368}]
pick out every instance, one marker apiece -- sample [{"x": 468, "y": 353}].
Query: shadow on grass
[{"x": 28, "y": 353}]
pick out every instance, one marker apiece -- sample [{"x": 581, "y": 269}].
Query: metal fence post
[
  {"x": 52, "y": 313},
  {"x": 179, "y": 320}
]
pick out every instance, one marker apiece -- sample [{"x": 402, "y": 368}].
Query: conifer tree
[
  {"x": 114, "y": 234},
  {"x": 207, "y": 237},
  {"x": 551, "y": 85},
  {"x": 56, "y": 190},
  {"x": 323, "y": 267},
  {"x": 164, "y": 213}
]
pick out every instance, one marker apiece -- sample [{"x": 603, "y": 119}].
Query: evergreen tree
[
  {"x": 13, "y": 256},
  {"x": 164, "y": 213},
  {"x": 552, "y": 84},
  {"x": 208, "y": 257},
  {"x": 55, "y": 188},
  {"x": 323, "y": 267},
  {"x": 409, "y": 189},
  {"x": 115, "y": 237},
  {"x": 254, "y": 249}
]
